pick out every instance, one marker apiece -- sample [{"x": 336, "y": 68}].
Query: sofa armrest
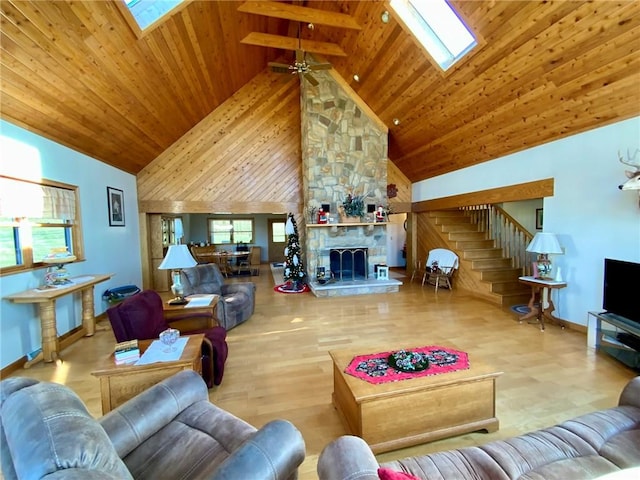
[
  {"x": 348, "y": 457},
  {"x": 139, "y": 418},
  {"x": 272, "y": 453},
  {"x": 247, "y": 287},
  {"x": 631, "y": 393}
]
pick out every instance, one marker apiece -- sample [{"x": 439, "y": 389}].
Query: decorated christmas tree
[{"x": 293, "y": 268}]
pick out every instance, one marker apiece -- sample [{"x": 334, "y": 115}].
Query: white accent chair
[{"x": 440, "y": 267}]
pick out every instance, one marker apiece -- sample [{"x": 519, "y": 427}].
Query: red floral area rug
[
  {"x": 289, "y": 288},
  {"x": 375, "y": 368}
]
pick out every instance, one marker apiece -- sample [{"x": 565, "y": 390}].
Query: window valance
[{"x": 21, "y": 198}]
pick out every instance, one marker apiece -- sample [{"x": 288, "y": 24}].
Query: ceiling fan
[{"x": 300, "y": 65}]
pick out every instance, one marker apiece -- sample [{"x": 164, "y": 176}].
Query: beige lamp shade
[
  {"x": 544, "y": 243},
  {"x": 178, "y": 256}
]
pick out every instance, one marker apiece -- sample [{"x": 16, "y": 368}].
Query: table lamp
[
  {"x": 543, "y": 244},
  {"x": 177, "y": 258}
]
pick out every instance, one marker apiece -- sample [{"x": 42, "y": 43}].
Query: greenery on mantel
[{"x": 353, "y": 206}]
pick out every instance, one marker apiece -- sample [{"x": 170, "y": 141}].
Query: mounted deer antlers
[{"x": 634, "y": 176}]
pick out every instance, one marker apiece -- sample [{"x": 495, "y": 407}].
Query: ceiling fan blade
[
  {"x": 320, "y": 66},
  {"x": 279, "y": 67},
  {"x": 310, "y": 78}
]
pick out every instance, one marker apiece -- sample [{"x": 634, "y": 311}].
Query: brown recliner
[
  {"x": 141, "y": 317},
  {"x": 237, "y": 300}
]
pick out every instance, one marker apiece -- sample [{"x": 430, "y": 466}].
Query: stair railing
[{"x": 506, "y": 232}]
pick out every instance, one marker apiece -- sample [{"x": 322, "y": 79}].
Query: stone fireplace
[{"x": 344, "y": 151}]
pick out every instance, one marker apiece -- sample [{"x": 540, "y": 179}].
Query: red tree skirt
[{"x": 288, "y": 288}]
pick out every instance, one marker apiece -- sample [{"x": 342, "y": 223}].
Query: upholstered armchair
[
  {"x": 237, "y": 300},
  {"x": 142, "y": 317},
  {"x": 169, "y": 431}
]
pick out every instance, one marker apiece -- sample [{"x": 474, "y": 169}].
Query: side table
[
  {"x": 541, "y": 290},
  {"x": 119, "y": 383},
  {"x": 46, "y": 301},
  {"x": 174, "y": 313}
]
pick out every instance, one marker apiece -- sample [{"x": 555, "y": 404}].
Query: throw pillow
[{"x": 388, "y": 474}]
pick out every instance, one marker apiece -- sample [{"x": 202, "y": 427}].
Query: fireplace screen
[{"x": 349, "y": 263}]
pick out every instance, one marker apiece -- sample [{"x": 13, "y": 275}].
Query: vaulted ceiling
[{"x": 77, "y": 73}]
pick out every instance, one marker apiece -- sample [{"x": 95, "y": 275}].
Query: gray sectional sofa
[{"x": 586, "y": 447}]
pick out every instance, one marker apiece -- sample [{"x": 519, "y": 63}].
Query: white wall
[
  {"x": 396, "y": 238},
  {"x": 524, "y": 212},
  {"x": 107, "y": 249},
  {"x": 592, "y": 218}
]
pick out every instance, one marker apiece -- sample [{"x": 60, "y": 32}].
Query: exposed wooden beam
[
  {"x": 511, "y": 193},
  {"x": 300, "y": 14},
  {"x": 181, "y": 207},
  {"x": 289, "y": 43}
]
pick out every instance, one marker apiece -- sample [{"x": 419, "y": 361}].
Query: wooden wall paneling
[
  {"x": 402, "y": 183},
  {"x": 244, "y": 154}
]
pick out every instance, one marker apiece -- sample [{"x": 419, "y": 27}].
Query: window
[
  {"x": 278, "y": 233},
  {"x": 35, "y": 218},
  {"x": 172, "y": 231},
  {"x": 230, "y": 230},
  {"x": 146, "y": 12},
  {"x": 437, "y": 27}
]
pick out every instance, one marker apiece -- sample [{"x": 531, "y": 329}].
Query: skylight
[
  {"x": 148, "y": 11},
  {"x": 437, "y": 27}
]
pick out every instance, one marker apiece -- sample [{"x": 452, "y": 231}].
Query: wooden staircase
[{"x": 485, "y": 270}]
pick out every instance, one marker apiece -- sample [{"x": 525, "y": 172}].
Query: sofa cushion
[
  {"x": 207, "y": 432},
  {"x": 205, "y": 279},
  {"x": 471, "y": 462},
  {"x": 580, "y": 468},
  {"x": 614, "y": 433}
]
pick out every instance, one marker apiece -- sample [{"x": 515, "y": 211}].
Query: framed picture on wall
[
  {"x": 538, "y": 218},
  {"x": 115, "y": 201}
]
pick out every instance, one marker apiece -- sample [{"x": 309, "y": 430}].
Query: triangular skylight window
[
  {"x": 437, "y": 27},
  {"x": 147, "y": 12}
]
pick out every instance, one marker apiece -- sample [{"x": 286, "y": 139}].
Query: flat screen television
[{"x": 622, "y": 288}]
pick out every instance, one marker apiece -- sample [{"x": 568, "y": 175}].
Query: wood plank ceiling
[{"x": 76, "y": 73}]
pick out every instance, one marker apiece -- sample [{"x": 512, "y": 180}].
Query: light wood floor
[{"x": 278, "y": 366}]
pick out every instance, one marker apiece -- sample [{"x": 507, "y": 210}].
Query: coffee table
[
  {"x": 395, "y": 415},
  {"x": 119, "y": 383}
]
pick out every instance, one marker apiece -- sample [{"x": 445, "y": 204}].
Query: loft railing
[{"x": 505, "y": 231}]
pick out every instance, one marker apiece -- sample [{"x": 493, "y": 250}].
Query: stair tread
[{"x": 494, "y": 270}]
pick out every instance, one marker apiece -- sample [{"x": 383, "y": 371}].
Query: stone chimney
[{"x": 344, "y": 151}]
